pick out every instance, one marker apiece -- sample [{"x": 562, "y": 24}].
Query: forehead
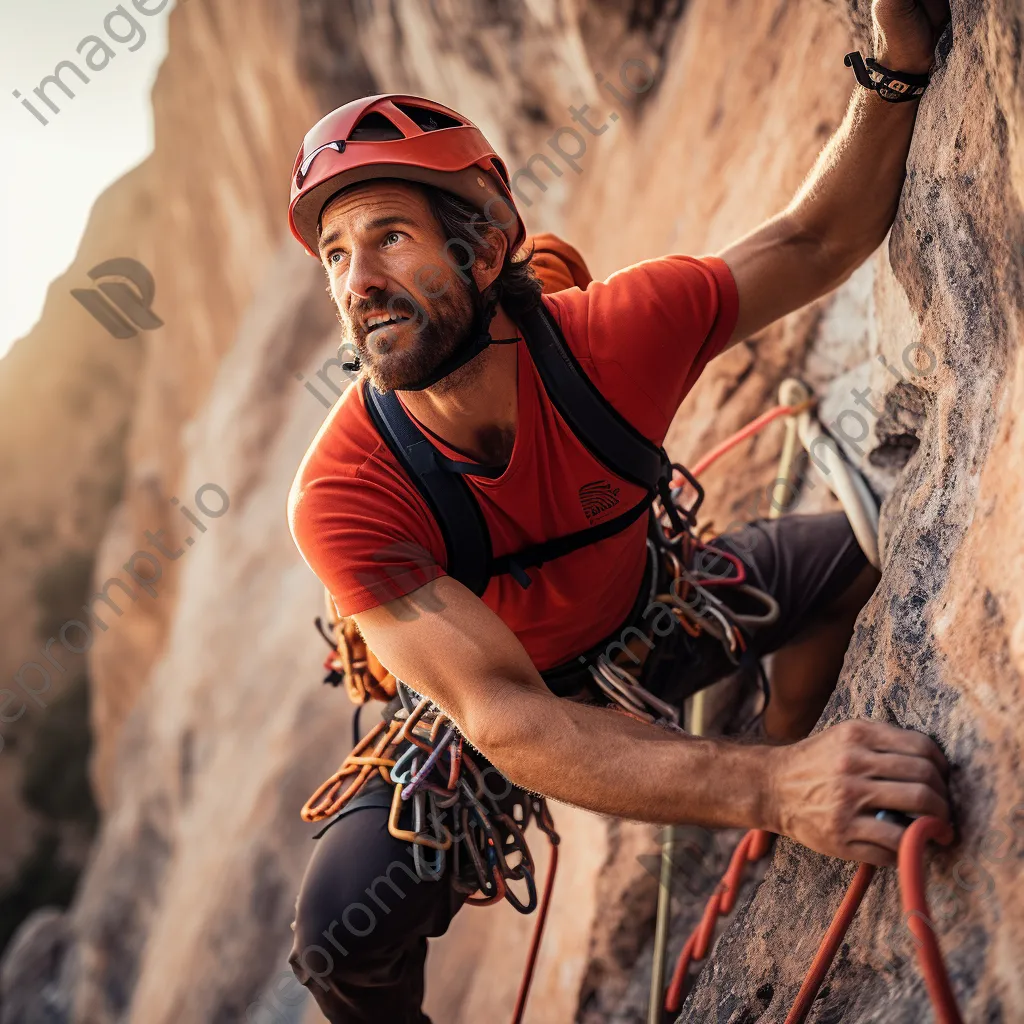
[{"x": 360, "y": 207}]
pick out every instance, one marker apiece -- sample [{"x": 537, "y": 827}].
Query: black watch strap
[{"x": 894, "y": 86}]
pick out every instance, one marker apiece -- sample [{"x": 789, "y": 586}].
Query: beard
[{"x": 398, "y": 357}]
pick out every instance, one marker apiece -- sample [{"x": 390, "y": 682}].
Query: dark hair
[{"x": 517, "y": 286}]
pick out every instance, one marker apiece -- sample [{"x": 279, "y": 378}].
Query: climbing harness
[
  {"x": 456, "y": 818},
  {"x": 421, "y": 754},
  {"x": 690, "y": 578}
]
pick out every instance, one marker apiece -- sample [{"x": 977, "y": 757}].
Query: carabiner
[{"x": 531, "y": 895}]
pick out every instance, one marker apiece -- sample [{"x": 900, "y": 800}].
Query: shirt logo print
[{"x": 597, "y": 498}]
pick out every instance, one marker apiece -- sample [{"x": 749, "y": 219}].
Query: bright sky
[{"x": 50, "y": 175}]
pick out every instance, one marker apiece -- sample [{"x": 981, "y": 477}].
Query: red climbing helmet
[{"x": 399, "y": 136}]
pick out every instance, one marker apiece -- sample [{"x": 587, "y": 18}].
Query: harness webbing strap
[
  {"x": 456, "y": 512},
  {"x": 538, "y": 554},
  {"x": 468, "y": 468},
  {"x": 607, "y": 435},
  {"x": 610, "y": 438}
]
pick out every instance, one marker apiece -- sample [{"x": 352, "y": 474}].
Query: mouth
[{"x": 377, "y": 326}]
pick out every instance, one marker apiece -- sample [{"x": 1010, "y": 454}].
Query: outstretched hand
[{"x": 906, "y": 32}]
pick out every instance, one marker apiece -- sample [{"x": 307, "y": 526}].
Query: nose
[{"x": 365, "y": 274}]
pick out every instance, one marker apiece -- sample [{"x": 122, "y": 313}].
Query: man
[{"x": 384, "y": 190}]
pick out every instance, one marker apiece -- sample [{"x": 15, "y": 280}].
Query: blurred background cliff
[{"x": 149, "y": 791}]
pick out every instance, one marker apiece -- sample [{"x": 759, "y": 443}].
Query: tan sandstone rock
[{"x": 211, "y": 726}]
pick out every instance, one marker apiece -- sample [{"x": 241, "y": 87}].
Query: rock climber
[{"x": 411, "y": 214}]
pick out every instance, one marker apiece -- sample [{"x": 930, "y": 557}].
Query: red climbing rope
[
  {"x": 919, "y": 921},
  {"x": 915, "y": 910},
  {"x": 750, "y": 429},
  {"x": 831, "y": 943},
  {"x": 752, "y": 847},
  {"x": 911, "y": 872},
  {"x": 538, "y": 934}
]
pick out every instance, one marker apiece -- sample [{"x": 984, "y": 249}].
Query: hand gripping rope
[
  {"x": 796, "y": 406},
  {"x": 755, "y": 844},
  {"x": 849, "y": 487}
]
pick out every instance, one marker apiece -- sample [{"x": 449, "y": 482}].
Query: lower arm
[
  {"x": 849, "y": 200},
  {"x": 613, "y": 764}
]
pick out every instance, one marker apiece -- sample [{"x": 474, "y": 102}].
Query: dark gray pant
[{"x": 363, "y": 918}]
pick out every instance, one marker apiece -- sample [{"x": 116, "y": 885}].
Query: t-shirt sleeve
[
  {"x": 656, "y": 323},
  {"x": 368, "y": 541}
]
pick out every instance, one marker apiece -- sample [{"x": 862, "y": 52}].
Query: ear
[{"x": 489, "y": 262}]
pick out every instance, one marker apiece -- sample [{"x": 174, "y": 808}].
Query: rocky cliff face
[
  {"x": 210, "y": 728},
  {"x": 939, "y": 646},
  {"x": 93, "y": 452}
]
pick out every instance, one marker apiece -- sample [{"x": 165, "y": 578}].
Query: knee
[
  {"x": 320, "y": 949},
  {"x": 856, "y": 595},
  {"x": 332, "y": 936}
]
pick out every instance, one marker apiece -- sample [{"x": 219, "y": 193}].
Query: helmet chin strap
[{"x": 479, "y": 339}]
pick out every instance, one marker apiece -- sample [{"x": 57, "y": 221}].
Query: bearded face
[
  {"x": 402, "y": 305},
  {"x": 402, "y": 340}
]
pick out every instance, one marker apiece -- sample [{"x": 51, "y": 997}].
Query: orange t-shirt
[{"x": 643, "y": 337}]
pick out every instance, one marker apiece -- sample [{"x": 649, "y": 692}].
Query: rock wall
[
  {"x": 94, "y": 426},
  {"x": 210, "y": 726},
  {"x": 939, "y": 647}
]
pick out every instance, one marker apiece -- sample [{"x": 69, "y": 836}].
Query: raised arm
[
  {"x": 847, "y": 203},
  {"x": 448, "y": 645}
]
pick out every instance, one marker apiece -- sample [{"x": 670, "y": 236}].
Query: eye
[
  {"x": 334, "y": 257},
  {"x": 392, "y": 234}
]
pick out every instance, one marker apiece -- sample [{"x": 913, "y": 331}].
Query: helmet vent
[
  {"x": 428, "y": 120},
  {"x": 374, "y": 127}
]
